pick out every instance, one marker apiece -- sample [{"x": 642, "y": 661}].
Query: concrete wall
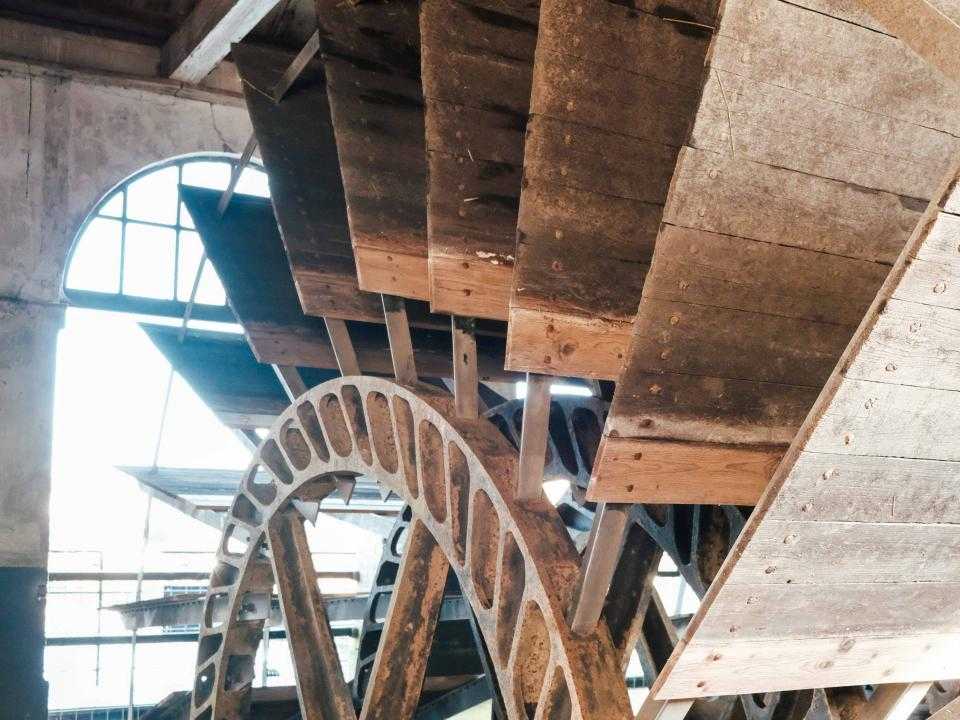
[{"x": 63, "y": 143}]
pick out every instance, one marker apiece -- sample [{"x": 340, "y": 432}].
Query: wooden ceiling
[{"x": 288, "y": 24}]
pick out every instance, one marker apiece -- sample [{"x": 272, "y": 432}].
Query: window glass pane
[
  {"x": 253, "y": 182},
  {"x": 207, "y": 173},
  {"x": 114, "y": 206},
  {"x": 210, "y": 291},
  {"x": 154, "y": 197},
  {"x": 95, "y": 264},
  {"x": 148, "y": 261},
  {"x": 185, "y": 219}
]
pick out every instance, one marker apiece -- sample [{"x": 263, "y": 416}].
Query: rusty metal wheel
[{"x": 515, "y": 562}]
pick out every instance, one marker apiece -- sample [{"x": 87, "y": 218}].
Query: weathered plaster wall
[
  {"x": 28, "y": 344},
  {"x": 64, "y": 142}
]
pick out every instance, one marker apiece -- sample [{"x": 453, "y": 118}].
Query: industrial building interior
[{"x": 511, "y": 359}]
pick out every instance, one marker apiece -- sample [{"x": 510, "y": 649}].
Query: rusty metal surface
[{"x": 515, "y": 565}]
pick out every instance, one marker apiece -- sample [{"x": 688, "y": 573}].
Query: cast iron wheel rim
[{"x": 515, "y": 562}]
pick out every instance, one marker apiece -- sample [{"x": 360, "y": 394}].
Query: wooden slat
[
  {"x": 950, "y": 711},
  {"x": 371, "y": 55},
  {"x": 205, "y": 37},
  {"x": 533, "y": 439},
  {"x": 401, "y": 346},
  {"x": 858, "y": 599},
  {"x": 477, "y": 62},
  {"x": 300, "y": 156},
  {"x": 597, "y": 567},
  {"x": 321, "y": 689},
  {"x": 342, "y": 346},
  {"x": 466, "y": 385},
  {"x": 667, "y": 471},
  {"x": 927, "y": 27},
  {"x": 292, "y": 382},
  {"x": 396, "y": 679},
  {"x": 804, "y": 173},
  {"x": 245, "y": 248},
  {"x": 614, "y": 91}
]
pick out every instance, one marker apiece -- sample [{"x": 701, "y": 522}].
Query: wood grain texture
[
  {"x": 860, "y": 588},
  {"x": 371, "y": 56},
  {"x": 477, "y": 62},
  {"x": 566, "y": 344},
  {"x": 659, "y": 471},
  {"x": 804, "y": 173},
  {"x": 929, "y": 28},
  {"x": 613, "y": 95},
  {"x": 299, "y": 150}
]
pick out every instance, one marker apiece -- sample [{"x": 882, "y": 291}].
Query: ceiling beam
[
  {"x": 40, "y": 50},
  {"x": 204, "y": 39}
]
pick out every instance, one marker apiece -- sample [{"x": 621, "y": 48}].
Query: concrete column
[{"x": 28, "y": 346}]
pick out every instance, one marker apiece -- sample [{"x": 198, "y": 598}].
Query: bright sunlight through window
[{"x": 139, "y": 251}]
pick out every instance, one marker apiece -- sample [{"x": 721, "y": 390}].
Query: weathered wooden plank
[
  {"x": 814, "y": 54},
  {"x": 724, "y": 271},
  {"x": 598, "y": 566},
  {"x": 466, "y": 385},
  {"x": 204, "y": 38},
  {"x": 926, "y": 27},
  {"x": 764, "y": 122},
  {"x": 615, "y": 89},
  {"x": 401, "y": 344},
  {"x": 533, "y": 439},
  {"x": 830, "y": 487},
  {"x": 300, "y": 154},
  {"x": 873, "y": 609},
  {"x": 569, "y": 344},
  {"x": 797, "y": 552},
  {"x": 718, "y": 342},
  {"x": 321, "y": 689},
  {"x": 667, "y": 471},
  {"x": 844, "y": 558},
  {"x": 396, "y": 680},
  {"x": 734, "y": 196},
  {"x": 342, "y": 346},
  {"x": 372, "y": 61},
  {"x": 477, "y": 64},
  {"x": 950, "y": 711},
  {"x": 814, "y": 662},
  {"x": 911, "y": 345},
  {"x": 706, "y": 409},
  {"x": 863, "y": 420}
]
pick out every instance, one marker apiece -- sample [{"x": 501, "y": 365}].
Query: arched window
[{"x": 138, "y": 250}]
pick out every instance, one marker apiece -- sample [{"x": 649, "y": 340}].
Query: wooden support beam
[
  {"x": 928, "y": 28},
  {"x": 466, "y": 385},
  {"x": 892, "y": 701},
  {"x": 342, "y": 346},
  {"x": 396, "y": 679},
  {"x": 204, "y": 39},
  {"x": 41, "y": 50},
  {"x": 296, "y": 67},
  {"x": 292, "y": 383},
  {"x": 533, "y": 440},
  {"x": 320, "y": 686},
  {"x": 653, "y": 709},
  {"x": 398, "y": 333},
  {"x": 950, "y": 711},
  {"x": 235, "y": 172},
  {"x": 598, "y": 566},
  {"x": 896, "y": 702}
]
